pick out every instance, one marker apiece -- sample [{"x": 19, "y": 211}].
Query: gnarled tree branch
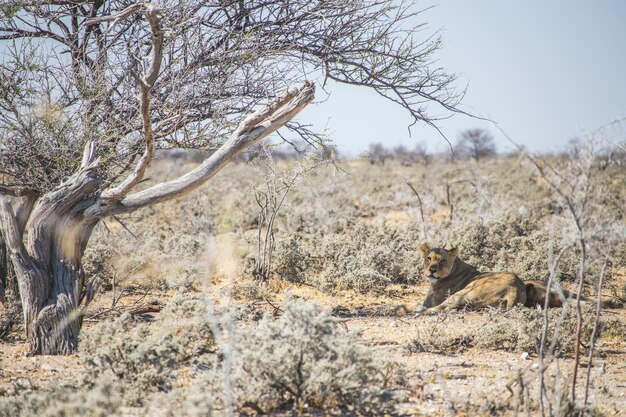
[
  {"x": 145, "y": 84},
  {"x": 24, "y": 266},
  {"x": 251, "y": 130}
]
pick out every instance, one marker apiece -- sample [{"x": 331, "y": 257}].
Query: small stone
[{"x": 525, "y": 356}]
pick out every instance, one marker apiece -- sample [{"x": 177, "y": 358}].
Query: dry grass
[{"x": 348, "y": 242}]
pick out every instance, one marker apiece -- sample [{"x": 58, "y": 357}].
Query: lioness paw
[{"x": 420, "y": 311}]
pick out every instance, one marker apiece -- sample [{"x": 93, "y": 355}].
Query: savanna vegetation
[
  {"x": 184, "y": 325},
  {"x": 139, "y": 281}
]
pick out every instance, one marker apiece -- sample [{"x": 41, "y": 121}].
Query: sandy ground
[
  {"x": 483, "y": 381},
  {"x": 466, "y": 382}
]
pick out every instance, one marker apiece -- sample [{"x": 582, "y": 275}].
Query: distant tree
[
  {"x": 90, "y": 89},
  {"x": 402, "y": 154},
  {"x": 476, "y": 144},
  {"x": 378, "y": 154},
  {"x": 420, "y": 153},
  {"x": 407, "y": 157}
]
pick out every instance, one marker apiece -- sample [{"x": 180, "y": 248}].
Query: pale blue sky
[{"x": 546, "y": 71}]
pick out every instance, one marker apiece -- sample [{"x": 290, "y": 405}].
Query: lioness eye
[{"x": 441, "y": 262}]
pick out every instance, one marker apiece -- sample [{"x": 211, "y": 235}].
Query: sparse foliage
[
  {"x": 90, "y": 91},
  {"x": 475, "y": 144},
  {"x": 103, "y": 400},
  {"x": 147, "y": 356},
  {"x": 591, "y": 235},
  {"x": 270, "y": 198},
  {"x": 518, "y": 330},
  {"x": 303, "y": 360}
]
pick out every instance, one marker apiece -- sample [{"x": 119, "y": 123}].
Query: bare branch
[
  {"x": 419, "y": 200},
  {"x": 13, "y": 237},
  {"x": 250, "y": 131},
  {"x": 118, "y": 17},
  {"x": 145, "y": 84}
]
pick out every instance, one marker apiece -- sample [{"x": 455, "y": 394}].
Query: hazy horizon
[{"x": 546, "y": 72}]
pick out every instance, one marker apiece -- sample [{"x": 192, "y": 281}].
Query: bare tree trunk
[
  {"x": 52, "y": 294},
  {"x": 9, "y": 290},
  {"x": 5, "y": 277},
  {"x": 59, "y": 224},
  {"x": 48, "y": 269},
  {"x": 8, "y": 280},
  {"x": 52, "y": 285}
]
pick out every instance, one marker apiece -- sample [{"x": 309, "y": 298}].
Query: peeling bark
[
  {"x": 58, "y": 223},
  {"x": 48, "y": 268}
]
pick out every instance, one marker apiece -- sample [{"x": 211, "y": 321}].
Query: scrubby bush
[
  {"x": 364, "y": 258},
  {"x": 167, "y": 252},
  {"x": 146, "y": 357},
  {"x": 511, "y": 243},
  {"x": 98, "y": 260},
  {"x": 518, "y": 330},
  {"x": 103, "y": 400},
  {"x": 302, "y": 360},
  {"x": 290, "y": 259},
  {"x": 368, "y": 258},
  {"x": 190, "y": 400},
  {"x": 522, "y": 330},
  {"x": 250, "y": 290}
]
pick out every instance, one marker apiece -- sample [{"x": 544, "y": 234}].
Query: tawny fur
[
  {"x": 537, "y": 289},
  {"x": 455, "y": 284}
]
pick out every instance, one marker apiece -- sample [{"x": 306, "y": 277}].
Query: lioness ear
[
  {"x": 424, "y": 250},
  {"x": 453, "y": 252}
]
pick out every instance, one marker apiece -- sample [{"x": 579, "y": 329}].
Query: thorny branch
[{"x": 198, "y": 68}]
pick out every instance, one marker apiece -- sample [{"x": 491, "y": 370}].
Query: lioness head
[{"x": 438, "y": 262}]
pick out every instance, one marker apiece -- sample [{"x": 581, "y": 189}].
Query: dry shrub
[
  {"x": 250, "y": 290},
  {"x": 517, "y": 330},
  {"x": 163, "y": 255},
  {"x": 614, "y": 329},
  {"x": 303, "y": 361},
  {"x": 103, "y": 400},
  {"x": 512, "y": 243},
  {"x": 291, "y": 260},
  {"x": 364, "y": 258},
  {"x": 146, "y": 357},
  {"x": 521, "y": 331},
  {"x": 98, "y": 260},
  {"x": 367, "y": 258},
  {"x": 188, "y": 401}
]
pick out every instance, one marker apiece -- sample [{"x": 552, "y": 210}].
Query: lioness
[
  {"x": 455, "y": 284},
  {"x": 537, "y": 289}
]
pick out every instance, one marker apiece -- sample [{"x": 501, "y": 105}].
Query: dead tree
[
  {"x": 270, "y": 197},
  {"x": 589, "y": 230},
  {"x": 90, "y": 89},
  {"x": 476, "y": 144}
]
